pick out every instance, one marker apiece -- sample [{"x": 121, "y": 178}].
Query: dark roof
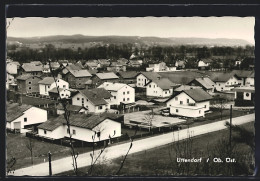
[
  {"x": 205, "y": 82},
  {"x": 78, "y": 120},
  {"x": 70, "y": 107},
  {"x": 198, "y": 95},
  {"x": 24, "y": 77},
  {"x": 96, "y": 96},
  {"x": 164, "y": 83},
  {"x": 207, "y": 60},
  {"x": 242, "y": 73},
  {"x": 222, "y": 77},
  {"x": 150, "y": 75},
  {"x": 128, "y": 74},
  {"x": 80, "y": 73},
  {"x": 14, "y": 111}
]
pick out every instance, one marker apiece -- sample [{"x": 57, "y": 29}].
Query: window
[
  {"x": 127, "y": 92},
  {"x": 150, "y": 86},
  {"x": 67, "y": 131},
  {"x": 199, "y": 111},
  {"x": 227, "y": 83},
  {"x": 29, "y": 88},
  {"x": 177, "y": 110},
  {"x": 114, "y": 97},
  {"x": 188, "y": 101},
  {"x": 48, "y": 86},
  {"x": 247, "y": 94},
  {"x": 29, "y": 83},
  {"x": 45, "y": 132},
  {"x": 62, "y": 94},
  {"x": 128, "y": 99},
  {"x": 79, "y": 79},
  {"x": 73, "y": 131},
  {"x": 219, "y": 84},
  {"x": 123, "y": 93},
  {"x": 64, "y": 86},
  {"x": 98, "y": 134},
  {"x": 176, "y": 98},
  {"x": 25, "y": 119},
  {"x": 78, "y": 98},
  {"x": 181, "y": 102},
  {"x": 100, "y": 107},
  {"x": 166, "y": 92},
  {"x": 79, "y": 83},
  {"x": 154, "y": 86},
  {"x": 124, "y": 99},
  {"x": 205, "y": 106},
  {"x": 139, "y": 79}
]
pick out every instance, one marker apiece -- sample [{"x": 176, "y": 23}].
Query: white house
[
  {"x": 204, "y": 63},
  {"x": 144, "y": 77},
  {"x": 205, "y": 83},
  {"x": 20, "y": 116},
  {"x": 189, "y": 103},
  {"x": 161, "y": 87},
  {"x": 226, "y": 82},
  {"x": 120, "y": 92},
  {"x": 48, "y": 84},
  {"x": 64, "y": 93},
  {"x": 250, "y": 80},
  {"x": 95, "y": 100},
  {"x": 82, "y": 127}
]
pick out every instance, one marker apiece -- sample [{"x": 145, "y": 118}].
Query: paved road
[{"x": 115, "y": 151}]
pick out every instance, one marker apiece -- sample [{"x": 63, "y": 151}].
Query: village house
[
  {"x": 250, "y": 80},
  {"x": 77, "y": 78},
  {"x": 242, "y": 75},
  {"x": 95, "y": 100},
  {"x": 48, "y": 84},
  {"x": 180, "y": 64},
  {"x": 100, "y": 78},
  {"x": 120, "y": 92},
  {"x": 63, "y": 93},
  {"x": 116, "y": 67},
  {"x": 123, "y": 61},
  {"x": 92, "y": 64},
  {"x": 244, "y": 96},
  {"x": 143, "y": 78},
  {"x": 72, "y": 109},
  {"x": 28, "y": 68},
  {"x": 9, "y": 80},
  {"x": 204, "y": 64},
  {"x": 161, "y": 87},
  {"x": 54, "y": 66},
  {"x": 204, "y": 82},
  {"x": 225, "y": 81},
  {"x": 20, "y": 117},
  {"x": 104, "y": 63},
  {"x": 159, "y": 67},
  {"x": 12, "y": 68},
  {"x": 134, "y": 63},
  {"x": 190, "y": 103},
  {"x": 84, "y": 128},
  {"x": 28, "y": 83},
  {"x": 128, "y": 77}
]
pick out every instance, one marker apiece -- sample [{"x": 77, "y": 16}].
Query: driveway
[{"x": 64, "y": 164}]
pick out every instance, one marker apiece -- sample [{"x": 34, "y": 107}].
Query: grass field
[
  {"x": 36, "y": 101},
  {"x": 157, "y": 161}
]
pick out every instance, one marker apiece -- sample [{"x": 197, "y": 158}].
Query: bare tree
[
  {"x": 30, "y": 145},
  {"x": 149, "y": 118}
]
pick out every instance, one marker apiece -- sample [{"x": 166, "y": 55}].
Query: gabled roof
[
  {"x": 242, "y": 73},
  {"x": 78, "y": 120},
  {"x": 46, "y": 81},
  {"x": 70, "y": 107},
  {"x": 108, "y": 75},
  {"x": 198, "y": 95},
  {"x": 150, "y": 75},
  {"x": 128, "y": 74},
  {"x": 186, "y": 87},
  {"x": 14, "y": 111},
  {"x": 222, "y": 77},
  {"x": 80, "y": 73},
  {"x": 24, "y": 76},
  {"x": 164, "y": 83},
  {"x": 31, "y": 68},
  {"x": 110, "y": 86},
  {"x": 206, "y": 60},
  {"x": 205, "y": 82},
  {"x": 96, "y": 96}
]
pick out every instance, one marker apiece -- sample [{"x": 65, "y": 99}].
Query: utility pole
[
  {"x": 230, "y": 128},
  {"x": 50, "y": 170}
]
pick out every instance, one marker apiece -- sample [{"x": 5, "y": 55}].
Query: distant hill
[{"x": 79, "y": 39}]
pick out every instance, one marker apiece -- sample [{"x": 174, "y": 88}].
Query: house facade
[
  {"x": 28, "y": 83},
  {"x": 100, "y": 78},
  {"x": 144, "y": 77},
  {"x": 20, "y": 116},
  {"x": 204, "y": 64},
  {"x": 189, "y": 103},
  {"x": 48, "y": 84},
  {"x": 160, "y": 88},
  {"x": 206, "y": 83},
  {"x": 120, "y": 92},
  {"x": 77, "y": 78},
  {"x": 244, "y": 96},
  {"x": 94, "y": 100},
  {"x": 226, "y": 84}
]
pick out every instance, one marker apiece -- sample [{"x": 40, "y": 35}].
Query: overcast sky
[{"x": 212, "y": 27}]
